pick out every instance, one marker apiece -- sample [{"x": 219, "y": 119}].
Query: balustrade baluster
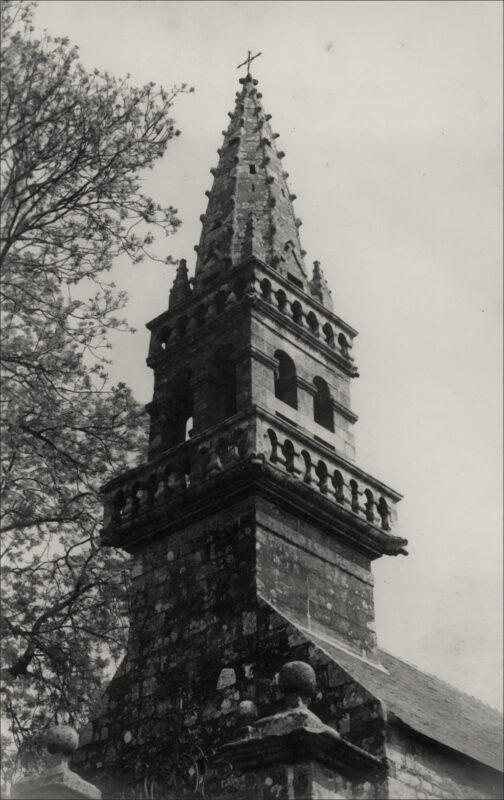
[
  {"x": 355, "y": 496},
  {"x": 369, "y": 505},
  {"x": 321, "y": 471},
  {"x": 383, "y": 511},
  {"x": 274, "y": 446},
  {"x": 288, "y": 454},
  {"x": 339, "y": 486},
  {"x": 307, "y": 477}
]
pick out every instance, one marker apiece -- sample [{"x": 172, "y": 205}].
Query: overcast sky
[{"x": 390, "y": 116}]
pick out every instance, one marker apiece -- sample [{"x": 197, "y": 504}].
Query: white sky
[{"x": 390, "y": 116}]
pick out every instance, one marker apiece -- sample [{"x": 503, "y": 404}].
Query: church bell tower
[{"x": 251, "y": 526}]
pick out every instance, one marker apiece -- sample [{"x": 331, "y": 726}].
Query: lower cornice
[
  {"x": 300, "y": 746},
  {"x": 247, "y": 480}
]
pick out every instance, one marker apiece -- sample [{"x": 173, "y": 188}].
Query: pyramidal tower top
[{"x": 250, "y": 211}]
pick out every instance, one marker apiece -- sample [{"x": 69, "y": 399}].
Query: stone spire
[{"x": 249, "y": 210}]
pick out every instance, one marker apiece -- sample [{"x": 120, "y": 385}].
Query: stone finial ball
[
  {"x": 297, "y": 677},
  {"x": 62, "y": 739},
  {"x": 246, "y": 712}
]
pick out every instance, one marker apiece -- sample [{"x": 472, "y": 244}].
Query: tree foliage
[{"x": 73, "y": 145}]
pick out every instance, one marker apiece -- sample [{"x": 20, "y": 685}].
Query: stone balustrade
[
  {"x": 328, "y": 474},
  {"x": 253, "y": 436}
]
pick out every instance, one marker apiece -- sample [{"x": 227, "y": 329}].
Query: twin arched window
[
  {"x": 286, "y": 390},
  {"x": 172, "y": 419}
]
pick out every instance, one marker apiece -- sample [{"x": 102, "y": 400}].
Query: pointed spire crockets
[
  {"x": 319, "y": 288},
  {"x": 249, "y": 209},
  {"x": 181, "y": 288}
]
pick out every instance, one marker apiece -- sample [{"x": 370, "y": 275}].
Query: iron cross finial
[{"x": 247, "y": 61}]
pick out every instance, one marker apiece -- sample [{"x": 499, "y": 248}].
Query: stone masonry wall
[
  {"x": 202, "y": 640},
  {"x": 315, "y": 577},
  {"x": 424, "y": 770}
]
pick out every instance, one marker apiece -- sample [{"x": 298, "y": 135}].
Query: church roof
[
  {"x": 423, "y": 702},
  {"x": 249, "y": 211},
  {"x": 438, "y": 710}
]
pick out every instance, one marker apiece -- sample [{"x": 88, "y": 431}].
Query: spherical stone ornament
[
  {"x": 62, "y": 739},
  {"x": 246, "y": 713},
  {"x": 297, "y": 678}
]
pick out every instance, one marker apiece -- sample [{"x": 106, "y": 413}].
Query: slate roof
[{"x": 423, "y": 702}]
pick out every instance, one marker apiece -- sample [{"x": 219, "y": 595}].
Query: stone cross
[{"x": 247, "y": 61}]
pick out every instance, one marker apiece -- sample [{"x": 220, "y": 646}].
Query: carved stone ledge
[
  {"x": 306, "y": 385},
  {"x": 253, "y": 352},
  {"x": 297, "y": 736},
  {"x": 344, "y": 411}
]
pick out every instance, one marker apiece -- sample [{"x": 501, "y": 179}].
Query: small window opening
[
  {"x": 253, "y": 188},
  {"x": 252, "y": 169},
  {"x": 163, "y": 337},
  {"x": 285, "y": 379},
  {"x": 322, "y": 405},
  {"x": 188, "y": 428},
  {"x": 178, "y": 420}
]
